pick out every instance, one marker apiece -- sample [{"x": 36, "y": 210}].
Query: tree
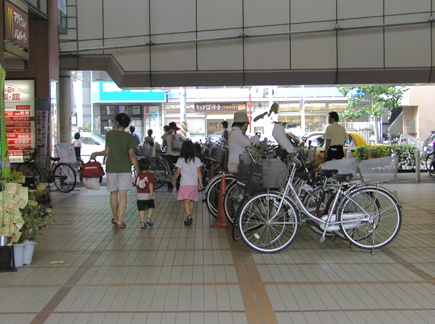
[{"x": 374, "y": 98}]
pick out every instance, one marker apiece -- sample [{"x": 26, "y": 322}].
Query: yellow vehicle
[{"x": 316, "y": 141}]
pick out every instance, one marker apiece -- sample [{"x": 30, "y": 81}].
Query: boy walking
[{"x": 145, "y": 192}]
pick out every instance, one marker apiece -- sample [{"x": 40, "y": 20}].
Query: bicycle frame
[
  {"x": 42, "y": 169},
  {"x": 328, "y": 222}
]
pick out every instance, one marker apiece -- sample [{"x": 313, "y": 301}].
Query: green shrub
[
  {"x": 365, "y": 152},
  {"x": 406, "y": 154}
]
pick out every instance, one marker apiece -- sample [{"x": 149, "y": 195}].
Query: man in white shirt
[
  {"x": 335, "y": 137},
  {"x": 238, "y": 141}
]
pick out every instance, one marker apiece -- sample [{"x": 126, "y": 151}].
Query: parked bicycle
[
  {"x": 62, "y": 174},
  {"x": 430, "y": 163},
  {"x": 368, "y": 216}
]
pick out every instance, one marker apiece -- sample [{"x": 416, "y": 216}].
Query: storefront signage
[
  {"x": 16, "y": 26},
  {"x": 220, "y": 107},
  {"x": 110, "y": 92},
  {"x": 19, "y": 117}
]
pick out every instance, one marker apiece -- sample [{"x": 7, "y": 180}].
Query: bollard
[{"x": 221, "y": 220}]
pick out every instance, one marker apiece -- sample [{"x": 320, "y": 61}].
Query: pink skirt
[{"x": 188, "y": 192}]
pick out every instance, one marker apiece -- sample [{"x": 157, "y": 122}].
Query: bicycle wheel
[
  {"x": 264, "y": 227},
  {"x": 64, "y": 177},
  {"x": 160, "y": 172},
  {"x": 370, "y": 217},
  {"x": 312, "y": 201},
  {"x": 430, "y": 163},
  {"x": 235, "y": 230},
  {"x": 233, "y": 196},
  {"x": 28, "y": 169},
  {"x": 213, "y": 190}
]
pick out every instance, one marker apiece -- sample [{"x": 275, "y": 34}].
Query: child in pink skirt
[{"x": 189, "y": 166}]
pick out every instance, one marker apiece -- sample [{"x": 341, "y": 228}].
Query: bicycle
[
  {"x": 62, "y": 174},
  {"x": 368, "y": 216},
  {"x": 430, "y": 163}
]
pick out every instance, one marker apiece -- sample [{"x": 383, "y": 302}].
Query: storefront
[{"x": 143, "y": 106}]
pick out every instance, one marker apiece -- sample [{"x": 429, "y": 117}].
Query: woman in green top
[{"x": 119, "y": 149}]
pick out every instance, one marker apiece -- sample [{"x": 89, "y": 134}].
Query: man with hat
[
  {"x": 172, "y": 155},
  {"x": 238, "y": 140}
]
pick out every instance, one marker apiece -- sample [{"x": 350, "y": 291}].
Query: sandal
[
  {"x": 150, "y": 223},
  {"x": 114, "y": 222},
  {"x": 122, "y": 225},
  {"x": 188, "y": 220},
  {"x": 143, "y": 225}
]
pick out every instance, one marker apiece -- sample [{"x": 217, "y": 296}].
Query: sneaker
[
  {"x": 142, "y": 225},
  {"x": 150, "y": 223}
]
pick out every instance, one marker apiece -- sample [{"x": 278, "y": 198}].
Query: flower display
[
  {"x": 23, "y": 213},
  {"x": 11, "y": 220}
]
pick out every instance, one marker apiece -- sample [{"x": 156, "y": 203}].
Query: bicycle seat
[
  {"x": 343, "y": 177},
  {"x": 305, "y": 175},
  {"x": 327, "y": 173},
  {"x": 56, "y": 159}
]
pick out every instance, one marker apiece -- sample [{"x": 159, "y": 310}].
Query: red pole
[{"x": 249, "y": 109}]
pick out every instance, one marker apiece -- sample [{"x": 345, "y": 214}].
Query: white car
[{"x": 91, "y": 143}]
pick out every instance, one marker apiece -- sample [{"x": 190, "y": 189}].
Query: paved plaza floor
[{"x": 177, "y": 274}]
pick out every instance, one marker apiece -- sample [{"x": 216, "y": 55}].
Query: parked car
[
  {"x": 316, "y": 141},
  {"x": 91, "y": 143}
]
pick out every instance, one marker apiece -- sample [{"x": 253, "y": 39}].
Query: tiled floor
[{"x": 177, "y": 274}]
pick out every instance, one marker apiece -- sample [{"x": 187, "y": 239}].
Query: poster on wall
[
  {"x": 19, "y": 117},
  {"x": 42, "y": 128}
]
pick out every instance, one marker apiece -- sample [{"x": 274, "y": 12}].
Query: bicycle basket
[
  {"x": 249, "y": 175},
  {"x": 274, "y": 173},
  {"x": 29, "y": 154},
  {"x": 218, "y": 154}
]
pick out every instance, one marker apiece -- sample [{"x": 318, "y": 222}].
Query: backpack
[{"x": 176, "y": 144}]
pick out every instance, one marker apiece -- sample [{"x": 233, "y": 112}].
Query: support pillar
[
  {"x": 183, "y": 112},
  {"x": 64, "y": 129}
]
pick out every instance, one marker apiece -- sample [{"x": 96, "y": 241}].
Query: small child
[
  {"x": 145, "y": 192},
  {"x": 189, "y": 166},
  {"x": 77, "y": 145}
]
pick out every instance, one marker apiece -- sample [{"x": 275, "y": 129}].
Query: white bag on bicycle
[
  {"x": 280, "y": 136},
  {"x": 92, "y": 183}
]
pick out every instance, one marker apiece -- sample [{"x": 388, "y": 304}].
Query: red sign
[
  {"x": 16, "y": 25},
  {"x": 18, "y": 130},
  {"x": 20, "y": 136},
  {"x": 11, "y": 119},
  {"x": 17, "y": 124},
  {"x": 17, "y": 113}
]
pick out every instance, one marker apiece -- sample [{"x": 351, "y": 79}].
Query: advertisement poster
[
  {"x": 5, "y": 164},
  {"x": 42, "y": 108},
  {"x": 19, "y": 117}
]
